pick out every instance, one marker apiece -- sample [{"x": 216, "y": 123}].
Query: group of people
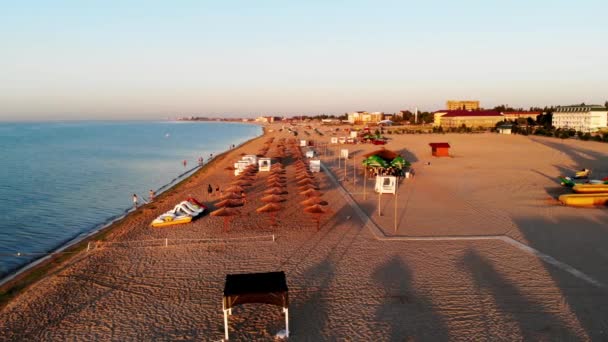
[{"x": 151, "y": 195}]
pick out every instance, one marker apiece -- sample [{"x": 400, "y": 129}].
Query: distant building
[
  {"x": 581, "y": 118},
  {"x": 505, "y": 129},
  {"x": 473, "y": 119},
  {"x": 268, "y": 119},
  {"x": 521, "y": 115},
  {"x": 462, "y": 105},
  {"x": 437, "y": 117},
  {"x": 363, "y": 117}
]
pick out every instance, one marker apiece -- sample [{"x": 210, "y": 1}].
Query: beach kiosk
[
  {"x": 334, "y": 140},
  {"x": 264, "y": 288},
  {"x": 386, "y": 184},
  {"x": 252, "y": 158},
  {"x": 264, "y": 164},
  {"x": 303, "y": 143},
  {"x": 310, "y": 154},
  {"x": 440, "y": 149},
  {"x": 240, "y": 166},
  {"x": 315, "y": 165}
]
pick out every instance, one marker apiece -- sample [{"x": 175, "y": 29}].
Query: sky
[{"x": 157, "y": 59}]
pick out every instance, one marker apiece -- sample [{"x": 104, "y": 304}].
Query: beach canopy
[
  {"x": 225, "y": 213},
  {"x": 383, "y": 153}
]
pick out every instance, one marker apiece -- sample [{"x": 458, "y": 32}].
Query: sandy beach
[{"x": 481, "y": 251}]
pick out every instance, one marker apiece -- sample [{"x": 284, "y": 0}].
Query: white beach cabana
[
  {"x": 386, "y": 184},
  {"x": 315, "y": 165},
  {"x": 264, "y": 164}
]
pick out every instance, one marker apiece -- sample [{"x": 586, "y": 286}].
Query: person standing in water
[{"x": 135, "y": 200}]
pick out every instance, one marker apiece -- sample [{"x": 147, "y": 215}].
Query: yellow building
[
  {"x": 473, "y": 119},
  {"x": 363, "y": 117},
  {"x": 437, "y": 117},
  {"x": 462, "y": 105},
  {"x": 521, "y": 115}
]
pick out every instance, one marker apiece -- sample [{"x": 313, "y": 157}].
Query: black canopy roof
[{"x": 269, "y": 288}]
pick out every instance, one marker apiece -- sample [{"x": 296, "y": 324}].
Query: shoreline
[{"x": 21, "y": 278}]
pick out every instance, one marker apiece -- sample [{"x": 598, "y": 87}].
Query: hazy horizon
[{"x": 107, "y": 60}]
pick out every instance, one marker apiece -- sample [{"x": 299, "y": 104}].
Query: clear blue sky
[{"x": 154, "y": 59}]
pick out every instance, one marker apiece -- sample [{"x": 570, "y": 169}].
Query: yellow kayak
[
  {"x": 584, "y": 200},
  {"x": 169, "y": 219},
  {"x": 590, "y": 188}
]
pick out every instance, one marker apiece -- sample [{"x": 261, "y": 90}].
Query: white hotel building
[{"x": 581, "y": 118}]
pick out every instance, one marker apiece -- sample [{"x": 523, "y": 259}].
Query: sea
[{"x": 62, "y": 180}]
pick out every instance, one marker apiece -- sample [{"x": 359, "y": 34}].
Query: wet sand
[{"x": 346, "y": 280}]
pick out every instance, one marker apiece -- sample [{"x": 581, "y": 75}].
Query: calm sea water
[{"x": 59, "y": 180}]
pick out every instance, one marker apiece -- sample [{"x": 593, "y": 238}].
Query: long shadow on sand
[
  {"x": 405, "y": 315},
  {"x": 313, "y": 327},
  {"x": 533, "y": 321},
  {"x": 584, "y": 158},
  {"x": 581, "y": 243}
]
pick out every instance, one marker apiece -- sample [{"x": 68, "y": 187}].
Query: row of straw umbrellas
[{"x": 276, "y": 185}]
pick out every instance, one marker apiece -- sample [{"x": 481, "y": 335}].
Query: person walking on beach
[
  {"x": 209, "y": 190},
  {"x": 135, "y": 200},
  {"x": 151, "y": 195},
  {"x": 243, "y": 197}
]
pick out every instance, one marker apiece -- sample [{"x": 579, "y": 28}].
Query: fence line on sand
[{"x": 149, "y": 243}]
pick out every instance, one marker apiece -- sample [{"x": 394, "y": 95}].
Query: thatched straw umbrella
[
  {"x": 306, "y": 181},
  {"x": 231, "y": 196},
  {"x": 311, "y": 193},
  {"x": 229, "y": 203},
  {"x": 273, "y": 199},
  {"x": 315, "y": 210},
  {"x": 307, "y": 187},
  {"x": 276, "y": 179},
  {"x": 241, "y": 182},
  {"x": 235, "y": 188},
  {"x": 226, "y": 213},
  {"x": 271, "y": 209},
  {"x": 313, "y": 201},
  {"x": 275, "y": 191},
  {"x": 275, "y": 185}
]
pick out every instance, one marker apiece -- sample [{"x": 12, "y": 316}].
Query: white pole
[
  {"x": 364, "y": 180},
  {"x": 88, "y": 246},
  {"x": 226, "y": 325},
  {"x": 286, "y": 310},
  {"x": 166, "y": 242},
  {"x": 379, "y": 194}
]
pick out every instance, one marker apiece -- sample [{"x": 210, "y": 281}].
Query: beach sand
[{"x": 357, "y": 278}]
